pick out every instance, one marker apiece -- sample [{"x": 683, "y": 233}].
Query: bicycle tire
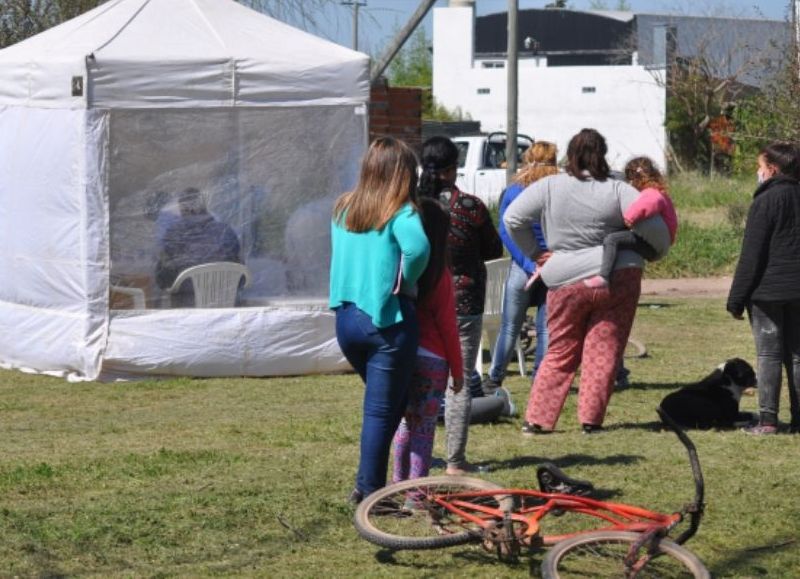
[
  {"x": 600, "y": 554},
  {"x": 382, "y": 518}
]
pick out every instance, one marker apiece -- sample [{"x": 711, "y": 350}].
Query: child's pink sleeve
[{"x": 649, "y": 203}]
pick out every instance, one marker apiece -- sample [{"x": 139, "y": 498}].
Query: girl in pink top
[
  {"x": 642, "y": 173},
  {"x": 438, "y": 355}
]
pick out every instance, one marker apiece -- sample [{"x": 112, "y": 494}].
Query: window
[
  {"x": 484, "y": 90},
  {"x": 251, "y": 205},
  {"x": 493, "y": 64},
  {"x": 462, "y": 153},
  {"x": 589, "y": 90}
]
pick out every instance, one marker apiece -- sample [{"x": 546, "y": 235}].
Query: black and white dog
[{"x": 714, "y": 401}]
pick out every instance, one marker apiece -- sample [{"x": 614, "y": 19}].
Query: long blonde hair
[
  {"x": 540, "y": 161},
  {"x": 388, "y": 180}
]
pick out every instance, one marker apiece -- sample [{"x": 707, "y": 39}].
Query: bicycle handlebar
[{"x": 697, "y": 506}]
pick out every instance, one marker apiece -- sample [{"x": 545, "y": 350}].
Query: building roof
[{"x": 556, "y": 30}]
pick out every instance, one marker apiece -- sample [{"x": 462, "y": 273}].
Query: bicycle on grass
[{"x": 595, "y": 539}]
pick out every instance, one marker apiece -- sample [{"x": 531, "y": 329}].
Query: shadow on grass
[
  {"x": 468, "y": 555},
  {"x": 652, "y": 386},
  {"x": 747, "y": 562}
]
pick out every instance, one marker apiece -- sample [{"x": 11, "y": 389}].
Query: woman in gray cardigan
[{"x": 587, "y": 326}]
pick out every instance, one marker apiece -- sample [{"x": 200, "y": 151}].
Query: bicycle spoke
[
  {"x": 412, "y": 512},
  {"x": 607, "y": 559}
]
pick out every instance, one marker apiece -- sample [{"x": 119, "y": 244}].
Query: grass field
[{"x": 246, "y": 477}]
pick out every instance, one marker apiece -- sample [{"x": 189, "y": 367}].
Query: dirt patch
[{"x": 691, "y": 287}]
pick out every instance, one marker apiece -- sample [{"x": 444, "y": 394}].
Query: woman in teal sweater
[{"x": 379, "y": 251}]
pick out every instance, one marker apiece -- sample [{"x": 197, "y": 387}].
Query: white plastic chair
[
  {"x": 215, "y": 284},
  {"x": 496, "y": 274}
]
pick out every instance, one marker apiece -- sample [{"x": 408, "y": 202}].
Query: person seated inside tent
[{"x": 196, "y": 237}]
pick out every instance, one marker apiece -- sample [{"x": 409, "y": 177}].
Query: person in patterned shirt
[{"x": 473, "y": 240}]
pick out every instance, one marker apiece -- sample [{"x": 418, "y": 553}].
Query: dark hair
[
  {"x": 784, "y": 156},
  {"x": 587, "y": 152},
  {"x": 436, "y": 222},
  {"x": 191, "y": 201},
  {"x": 438, "y": 154}
]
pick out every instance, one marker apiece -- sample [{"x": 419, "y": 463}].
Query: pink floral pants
[{"x": 588, "y": 328}]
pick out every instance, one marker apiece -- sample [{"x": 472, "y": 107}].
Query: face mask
[{"x": 761, "y": 177}]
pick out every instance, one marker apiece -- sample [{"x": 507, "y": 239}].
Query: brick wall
[{"x": 396, "y": 112}]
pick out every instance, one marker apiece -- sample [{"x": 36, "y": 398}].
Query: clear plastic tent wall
[{"x": 224, "y": 138}]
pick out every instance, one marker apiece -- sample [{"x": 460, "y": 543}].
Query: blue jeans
[
  {"x": 384, "y": 358},
  {"x": 516, "y": 301}
]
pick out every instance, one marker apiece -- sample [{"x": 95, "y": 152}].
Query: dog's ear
[{"x": 740, "y": 372}]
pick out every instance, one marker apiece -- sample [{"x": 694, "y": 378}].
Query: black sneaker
[
  {"x": 529, "y": 429},
  {"x": 490, "y": 386},
  {"x": 355, "y": 497},
  {"x": 591, "y": 428},
  {"x": 621, "y": 382}
]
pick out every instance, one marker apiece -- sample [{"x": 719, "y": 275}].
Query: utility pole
[
  {"x": 511, "y": 109},
  {"x": 356, "y": 4},
  {"x": 796, "y": 25}
]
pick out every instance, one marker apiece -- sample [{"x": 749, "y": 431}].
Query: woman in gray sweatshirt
[{"x": 587, "y": 326}]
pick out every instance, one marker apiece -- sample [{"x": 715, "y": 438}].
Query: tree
[
  {"x": 770, "y": 115},
  {"x": 20, "y": 19},
  {"x": 704, "y": 86},
  {"x": 413, "y": 66}
]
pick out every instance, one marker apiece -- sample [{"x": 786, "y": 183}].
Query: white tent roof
[{"x": 179, "y": 53}]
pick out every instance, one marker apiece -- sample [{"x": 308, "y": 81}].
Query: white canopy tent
[{"x": 105, "y": 121}]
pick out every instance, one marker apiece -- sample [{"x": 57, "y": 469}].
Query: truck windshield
[{"x": 495, "y": 157}]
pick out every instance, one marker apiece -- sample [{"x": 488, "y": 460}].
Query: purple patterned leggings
[{"x": 413, "y": 441}]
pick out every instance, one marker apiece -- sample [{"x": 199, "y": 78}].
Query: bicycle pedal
[{"x": 553, "y": 480}]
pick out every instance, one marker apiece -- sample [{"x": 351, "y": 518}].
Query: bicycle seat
[{"x": 554, "y": 480}]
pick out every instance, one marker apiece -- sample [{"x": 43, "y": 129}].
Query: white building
[{"x": 602, "y": 70}]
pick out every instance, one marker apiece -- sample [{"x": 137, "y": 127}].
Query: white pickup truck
[{"x": 481, "y": 164}]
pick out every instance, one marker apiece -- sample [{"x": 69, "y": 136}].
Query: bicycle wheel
[
  {"x": 602, "y": 553},
  {"x": 403, "y": 516}
]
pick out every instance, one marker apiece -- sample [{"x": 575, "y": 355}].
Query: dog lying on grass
[{"x": 714, "y": 401}]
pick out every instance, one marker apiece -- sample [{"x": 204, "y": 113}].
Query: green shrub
[
  {"x": 695, "y": 191},
  {"x": 700, "y": 252}
]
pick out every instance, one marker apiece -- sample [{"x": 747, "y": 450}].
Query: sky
[{"x": 379, "y": 19}]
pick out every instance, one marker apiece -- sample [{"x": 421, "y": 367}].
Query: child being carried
[{"x": 641, "y": 173}]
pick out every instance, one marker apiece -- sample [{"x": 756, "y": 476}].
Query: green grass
[
  {"x": 248, "y": 477},
  {"x": 692, "y": 191}
]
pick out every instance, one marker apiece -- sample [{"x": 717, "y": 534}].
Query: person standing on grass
[
  {"x": 377, "y": 238},
  {"x": 588, "y": 327},
  {"x": 540, "y": 161},
  {"x": 767, "y": 282},
  {"x": 472, "y": 240},
  {"x": 438, "y": 354}
]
